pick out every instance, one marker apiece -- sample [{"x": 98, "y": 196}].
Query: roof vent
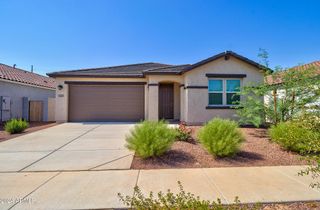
[{"x": 226, "y": 55}]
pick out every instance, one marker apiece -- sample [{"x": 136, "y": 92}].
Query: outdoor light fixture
[{"x": 60, "y": 87}]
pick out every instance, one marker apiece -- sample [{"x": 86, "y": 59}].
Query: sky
[{"x": 56, "y": 35}]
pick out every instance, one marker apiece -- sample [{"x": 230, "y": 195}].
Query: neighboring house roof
[
  {"x": 277, "y": 77},
  {"x": 21, "y": 76},
  {"x": 142, "y": 69}
]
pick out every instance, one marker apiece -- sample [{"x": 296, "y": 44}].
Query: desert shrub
[
  {"x": 151, "y": 138},
  {"x": 179, "y": 201},
  {"x": 16, "y": 126},
  {"x": 183, "y": 132},
  {"x": 309, "y": 120},
  {"x": 221, "y": 137},
  {"x": 294, "y": 136}
]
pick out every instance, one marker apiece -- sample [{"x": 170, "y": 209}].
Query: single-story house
[
  {"x": 193, "y": 93},
  {"x": 24, "y": 94}
]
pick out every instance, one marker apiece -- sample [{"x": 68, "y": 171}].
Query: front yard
[
  {"x": 33, "y": 126},
  {"x": 256, "y": 150}
]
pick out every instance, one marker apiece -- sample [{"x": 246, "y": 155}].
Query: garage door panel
[{"x": 106, "y": 102}]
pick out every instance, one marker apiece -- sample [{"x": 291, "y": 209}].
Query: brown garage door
[{"x": 106, "y": 102}]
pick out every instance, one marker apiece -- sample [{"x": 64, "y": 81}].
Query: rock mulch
[{"x": 257, "y": 150}]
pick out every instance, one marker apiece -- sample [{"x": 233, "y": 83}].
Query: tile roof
[
  {"x": 177, "y": 69},
  {"x": 277, "y": 77},
  {"x": 131, "y": 70},
  {"x": 19, "y": 75},
  {"x": 142, "y": 69}
]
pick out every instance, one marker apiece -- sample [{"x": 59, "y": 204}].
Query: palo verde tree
[{"x": 283, "y": 96}]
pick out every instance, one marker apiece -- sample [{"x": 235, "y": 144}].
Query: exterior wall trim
[
  {"x": 103, "y": 83},
  {"x": 97, "y": 76},
  {"x": 226, "y": 75},
  {"x": 195, "y": 87},
  {"x": 161, "y": 73},
  {"x": 219, "y": 107}
]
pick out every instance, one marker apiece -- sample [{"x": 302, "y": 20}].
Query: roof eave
[
  {"x": 227, "y": 53},
  {"x": 99, "y": 76},
  {"x": 162, "y": 73}
]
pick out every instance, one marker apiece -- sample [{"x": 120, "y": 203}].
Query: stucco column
[
  {"x": 146, "y": 101},
  {"x": 153, "y": 101},
  {"x": 61, "y": 107},
  {"x": 182, "y": 103}
]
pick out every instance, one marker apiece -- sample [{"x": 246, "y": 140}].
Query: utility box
[{"x": 5, "y": 103}]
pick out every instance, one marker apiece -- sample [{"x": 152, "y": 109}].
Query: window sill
[{"x": 220, "y": 107}]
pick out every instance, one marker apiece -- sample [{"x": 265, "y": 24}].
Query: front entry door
[{"x": 166, "y": 101}]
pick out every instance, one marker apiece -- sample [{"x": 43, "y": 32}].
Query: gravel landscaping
[
  {"x": 33, "y": 126},
  {"x": 292, "y": 206},
  {"x": 257, "y": 150}
]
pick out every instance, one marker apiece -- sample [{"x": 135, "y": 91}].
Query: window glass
[
  {"x": 233, "y": 85},
  {"x": 232, "y": 98},
  {"x": 215, "y": 85},
  {"x": 215, "y": 98}
]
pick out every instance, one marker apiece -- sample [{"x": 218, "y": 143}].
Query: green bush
[
  {"x": 221, "y": 137},
  {"x": 179, "y": 201},
  {"x": 151, "y": 138},
  {"x": 309, "y": 120},
  {"x": 294, "y": 136},
  {"x": 16, "y": 126}
]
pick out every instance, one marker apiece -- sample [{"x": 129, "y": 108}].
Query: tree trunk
[
  {"x": 275, "y": 106},
  {"x": 293, "y": 102}
]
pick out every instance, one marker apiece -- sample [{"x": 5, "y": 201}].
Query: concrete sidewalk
[{"x": 98, "y": 189}]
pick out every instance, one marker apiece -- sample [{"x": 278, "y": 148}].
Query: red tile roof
[
  {"x": 277, "y": 77},
  {"x": 26, "y": 77}
]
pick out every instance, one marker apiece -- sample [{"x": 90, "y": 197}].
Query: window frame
[
  {"x": 224, "y": 92},
  {"x": 214, "y": 91}
]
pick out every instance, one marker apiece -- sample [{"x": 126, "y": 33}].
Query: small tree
[{"x": 288, "y": 93}]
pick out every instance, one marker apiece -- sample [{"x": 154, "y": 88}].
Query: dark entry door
[{"x": 166, "y": 101}]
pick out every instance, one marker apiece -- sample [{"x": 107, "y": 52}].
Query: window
[
  {"x": 223, "y": 91},
  {"x": 233, "y": 86},
  {"x": 215, "y": 92}
]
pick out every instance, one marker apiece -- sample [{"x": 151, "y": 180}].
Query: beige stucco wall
[
  {"x": 197, "y": 99},
  {"x": 155, "y": 79},
  {"x": 176, "y": 101},
  {"x": 153, "y": 107},
  {"x": 61, "y": 107},
  {"x": 146, "y": 101},
  {"x": 182, "y": 104},
  {"x": 51, "y": 109}
]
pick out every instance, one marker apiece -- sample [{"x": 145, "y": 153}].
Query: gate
[{"x": 35, "y": 111}]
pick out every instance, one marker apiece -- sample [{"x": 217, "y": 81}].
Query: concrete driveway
[{"x": 68, "y": 147}]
